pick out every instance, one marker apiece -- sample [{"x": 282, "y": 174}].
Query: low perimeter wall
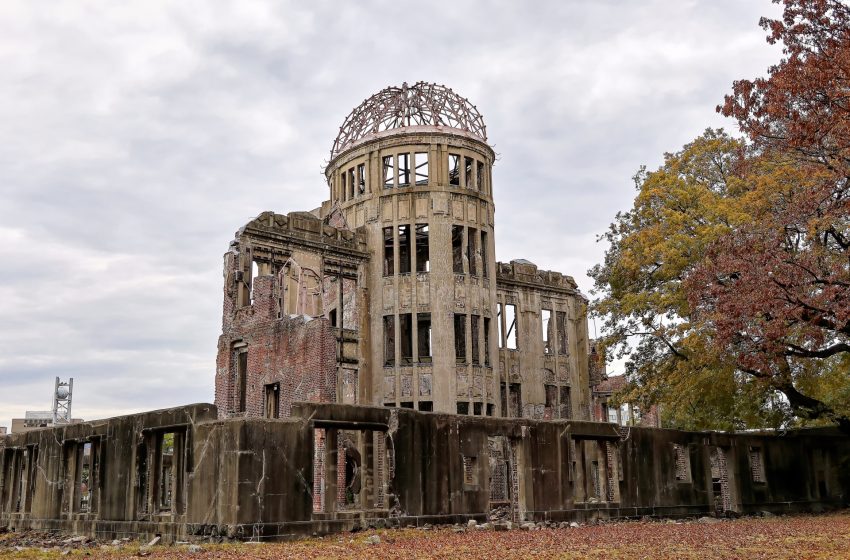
[{"x": 183, "y": 474}]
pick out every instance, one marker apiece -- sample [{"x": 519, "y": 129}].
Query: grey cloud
[{"x": 138, "y": 136}]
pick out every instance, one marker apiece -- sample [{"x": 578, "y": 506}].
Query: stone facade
[{"x": 405, "y": 247}]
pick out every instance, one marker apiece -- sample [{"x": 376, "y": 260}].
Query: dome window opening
[
  {"x": 389, "y": 172},
  {"x": 361, "y": 178},
  {"x": 479, "y": 176},
  {"x": 420, "y": 161},
  {"x": 404, "y": 170},
  {"x": 454, "y": 170}
]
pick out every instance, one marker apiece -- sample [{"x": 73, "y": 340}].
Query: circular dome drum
[{"x": 421, "y": 104}]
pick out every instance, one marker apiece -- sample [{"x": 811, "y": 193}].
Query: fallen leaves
[{"x": 810, "y": 537}]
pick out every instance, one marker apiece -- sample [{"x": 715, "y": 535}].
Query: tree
[
  {"x": 778, "y": 289},
  {"x": 702, "y": 194},
  {"x": 803, "y": 107},
  {"x": 728, "y": 283}
]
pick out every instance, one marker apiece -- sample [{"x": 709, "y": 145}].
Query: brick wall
[{"x": 297, "y": 352}]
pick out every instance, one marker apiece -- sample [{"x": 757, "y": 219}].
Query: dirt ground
[{"x": 804, "y": 536}]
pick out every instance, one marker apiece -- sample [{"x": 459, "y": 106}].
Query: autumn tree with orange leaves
[{"x": 728, "y": 283}]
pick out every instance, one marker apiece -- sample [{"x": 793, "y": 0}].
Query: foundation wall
[{"x": 249, "y": 478}]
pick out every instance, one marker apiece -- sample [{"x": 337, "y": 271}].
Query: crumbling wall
[
  {"x": 543, "y": 346},
  {"x": 45, "y": 487},
  {"x": 253, "y": 478},
  {"x": 297, "y": 353},
  {"x": 290, "y": 315}
]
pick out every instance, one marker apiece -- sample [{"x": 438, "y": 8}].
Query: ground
[{"x": 810, "y": 537}]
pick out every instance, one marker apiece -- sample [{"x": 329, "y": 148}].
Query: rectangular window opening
[
  {"x": 389, "y": 252},
  {"x": 406, "y": 404},
  {"x": 460, "y": 338},
  {"x": 404, "y": 253},
  {"x": 343, "y": 177},
  {"x": 423, "y": 337},
  {"x": 551, "y": 396},
  {"x": 757, "y": 464},
  {"x": 476, "y": 408},
  {"x": 546, "y": 320},
  {"x": 486, "y": 341},
  {"x": 403, "y": 170},
  {"x": 272, "y": 400},
  {"x": 351, "y": 185},
  {"x": 389, "y": 172},
  {"x": 566, "y": 404},
  {"x": 511, "y": 326},
  {"x": 476, "y": 347},
  {"x": 405, "y": 328},
  {"x": 463, "y": 408},
  {"x": 454, "y": 170},
  {"x": 490, "y": 409},
  {"x": 468, "y": 167},
  {"x": 479, "y": 177},
  {"x": 361, "y": 178},
  {"x": 484, "y": 249},
  {"x": 426, "y": 406},
  {"x": 389, "y": 340},
  {"x": 457, "y": 249},
  {"x": 241, "y": 380},
  {"x": 421, "y": 170},
  {"x": 166, "y": 471},
  {"x": 683, "y": 463},
  {"x": 423, "y": 263},
  {"x": 471, "y": 245},
  {"x": 84, "y": 478}
]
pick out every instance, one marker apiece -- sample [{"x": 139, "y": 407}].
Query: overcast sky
[{"x": 136, "y": 137}]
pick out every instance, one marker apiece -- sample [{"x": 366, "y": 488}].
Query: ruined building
[
  {"x": 399, "y": 265},
  {"x": 378, "y": 366}
]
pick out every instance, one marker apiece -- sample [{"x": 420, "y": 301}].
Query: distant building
[
  {"x": 2, "y": 430},
  {"x": 624, "y": 414},
  {"x": 34, "y": 419}
]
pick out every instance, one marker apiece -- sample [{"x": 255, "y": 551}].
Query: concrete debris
[{"x": 154, "y": 541}]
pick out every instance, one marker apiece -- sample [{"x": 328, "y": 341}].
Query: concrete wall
[
  {"x": 333, "y": 467},
  {"x": 43, "y": 473},
  {"x": 557, "y": 358}
]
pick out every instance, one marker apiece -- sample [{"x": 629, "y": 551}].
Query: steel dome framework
[{"x": 422, "y": 104}]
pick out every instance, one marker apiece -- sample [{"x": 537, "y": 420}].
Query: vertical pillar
[{"x": 330, "y": 497}]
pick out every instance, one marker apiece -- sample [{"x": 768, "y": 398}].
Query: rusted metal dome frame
[{"x": 422, "y": 104}]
